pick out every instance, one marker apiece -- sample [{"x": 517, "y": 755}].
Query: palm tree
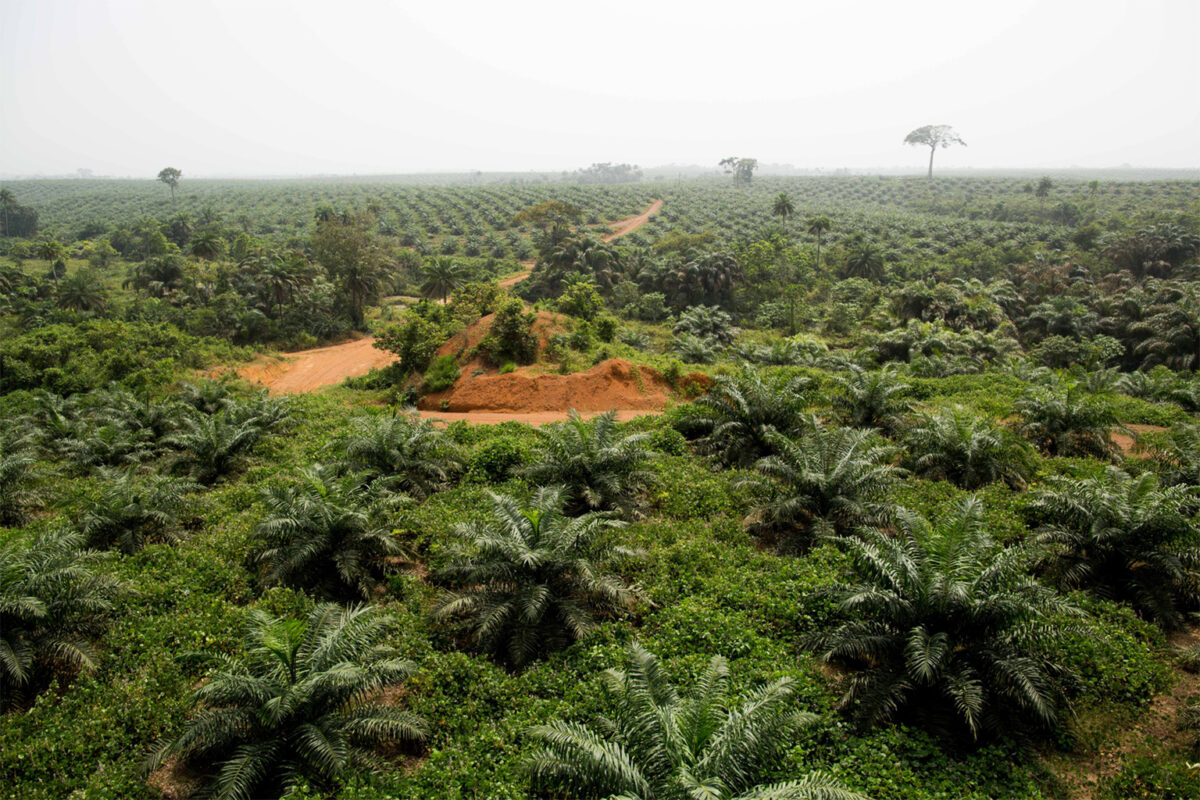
[
  {"x": 53, "y": 603},
  {"x": 1179, "y": 456},
  {"x": 530, "y": 581},
  {"x": 1126, "y": 539},
  {"x": 782, "y": 207},
  {"x": 443, "y": 276},
  {"x": 739, "y": 413},
  {"x": 18, "y": 476},
  {"x": 599, "y": 469},
  {"x": 297, "y": 705},
  {"x": 209, "y": 244},
  {"x": 1065, "y": 421},
  {"x": 816, "y": 227},
  {"x": 7, "y": 200},
  {"x": 1173, "y": 332},
  {"x": 328, "y": 534},
  {"x": 872, "y": 399},
  {"x": 830, "y": 481},
  {"x": 864, "y": 260},
  {"x": 658, "y": 745},
  {"x": 969, "y": 452},
  {"x": 943, "y": 626},
  {"x": 83, "y": 291},
  {"x": 212, "y": 446},
  {"x": 129, "y": 512},
  {"x": 409, "y": 452}
]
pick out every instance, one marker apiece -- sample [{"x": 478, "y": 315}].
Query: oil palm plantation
[
  {"x": 328, "y": 533},
  {"x": 598, "y": 468},
  {"x": 955, "y": 446},
  {"x": 872, "y": 399},
  {"x": 1179, "y": 456},
  {"x": 1125, "y": 538},
  {"x": 1065, "y": 421},
  {"x": 409, "y": 452},
  {"x": 128, "y": 512},
  {"x": 532, "y": 580},
  {"x": 827, "y": 482},
  {"x": 296, "y": 705},
  {"x": 661, "y": 745},
  {"x": 942, "y": 626},
  {"x": 739, "y": 414},
  {"x": 54, "y": 603}
]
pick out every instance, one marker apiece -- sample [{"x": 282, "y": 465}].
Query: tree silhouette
[
  {"x": 783, "y": 207},
  {"x": 816, "y": 227},
  {"x": 933, "y": 137},
  {"x": 170, "y": 176}
]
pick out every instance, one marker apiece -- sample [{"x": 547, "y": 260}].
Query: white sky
[{"x": 216, "y": 87}]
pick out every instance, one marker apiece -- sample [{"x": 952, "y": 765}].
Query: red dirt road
[
  {"x": 534, "y": 418},
  {"x": 311, "y": 369}
]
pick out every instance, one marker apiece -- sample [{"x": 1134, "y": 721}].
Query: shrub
[
  {"x": 441, "y": 375},
  {"x": 511, "y": 337}
]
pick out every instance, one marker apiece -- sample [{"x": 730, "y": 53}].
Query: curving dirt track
[
  {"x": 619, "y": 229},
  {"x": 307, "y": 370},
  {"x": 311, "y": 369}
]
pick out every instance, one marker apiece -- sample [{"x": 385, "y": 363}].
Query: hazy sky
[{"x": 355, "y": 86}]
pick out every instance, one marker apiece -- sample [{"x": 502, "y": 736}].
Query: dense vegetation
[{"x": 923, "y": 531}]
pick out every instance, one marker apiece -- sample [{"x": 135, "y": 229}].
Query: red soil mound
[{"x": 615, "y": 383}]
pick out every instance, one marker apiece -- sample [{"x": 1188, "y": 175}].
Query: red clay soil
[
  {"x": 308, "y": 370},
  {"x": 1129, "y": 443},
  {"x": 614, "y": 383},
  {"x": 534, "y": 418}
]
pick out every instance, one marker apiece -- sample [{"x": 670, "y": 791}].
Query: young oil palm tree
[
  {"x": 943, "y": 626},
  {"x": 739, "y": 414},
  {"x": 1179, "y": 457},
  {"x": 329, "y": 533},
  {"x": 1066, "y": 421},
  {"x": 408, "y": 451},
  {"x": 442, "y": 276},
  {"x": 53, "y": 603},
  {"x": 130, "y": 511},
  {"x": 872, "y": 399},
  {"x": 969, "y": 452},
  {"x": 18, "y": 476},
  {"x": 599, "y": 469},
  {"x": 659, "y": 745},
  {"x": 828, "y": 482},
  {"x": 530, "y": 581},
  {"x": 297, "y": 705},
  {"x": 212, "y": 446},
  {"x": 1125, "y": 538}
]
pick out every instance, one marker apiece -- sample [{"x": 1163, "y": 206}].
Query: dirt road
[
  {"x": 534, "y": 418},
  {"x": 307, "y": 370}
]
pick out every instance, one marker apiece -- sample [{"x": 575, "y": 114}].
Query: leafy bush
[
  {"x": 511, "y": 337},
  {"x": 441, "y": 375},
  {"x": 494, "y": 460}
]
